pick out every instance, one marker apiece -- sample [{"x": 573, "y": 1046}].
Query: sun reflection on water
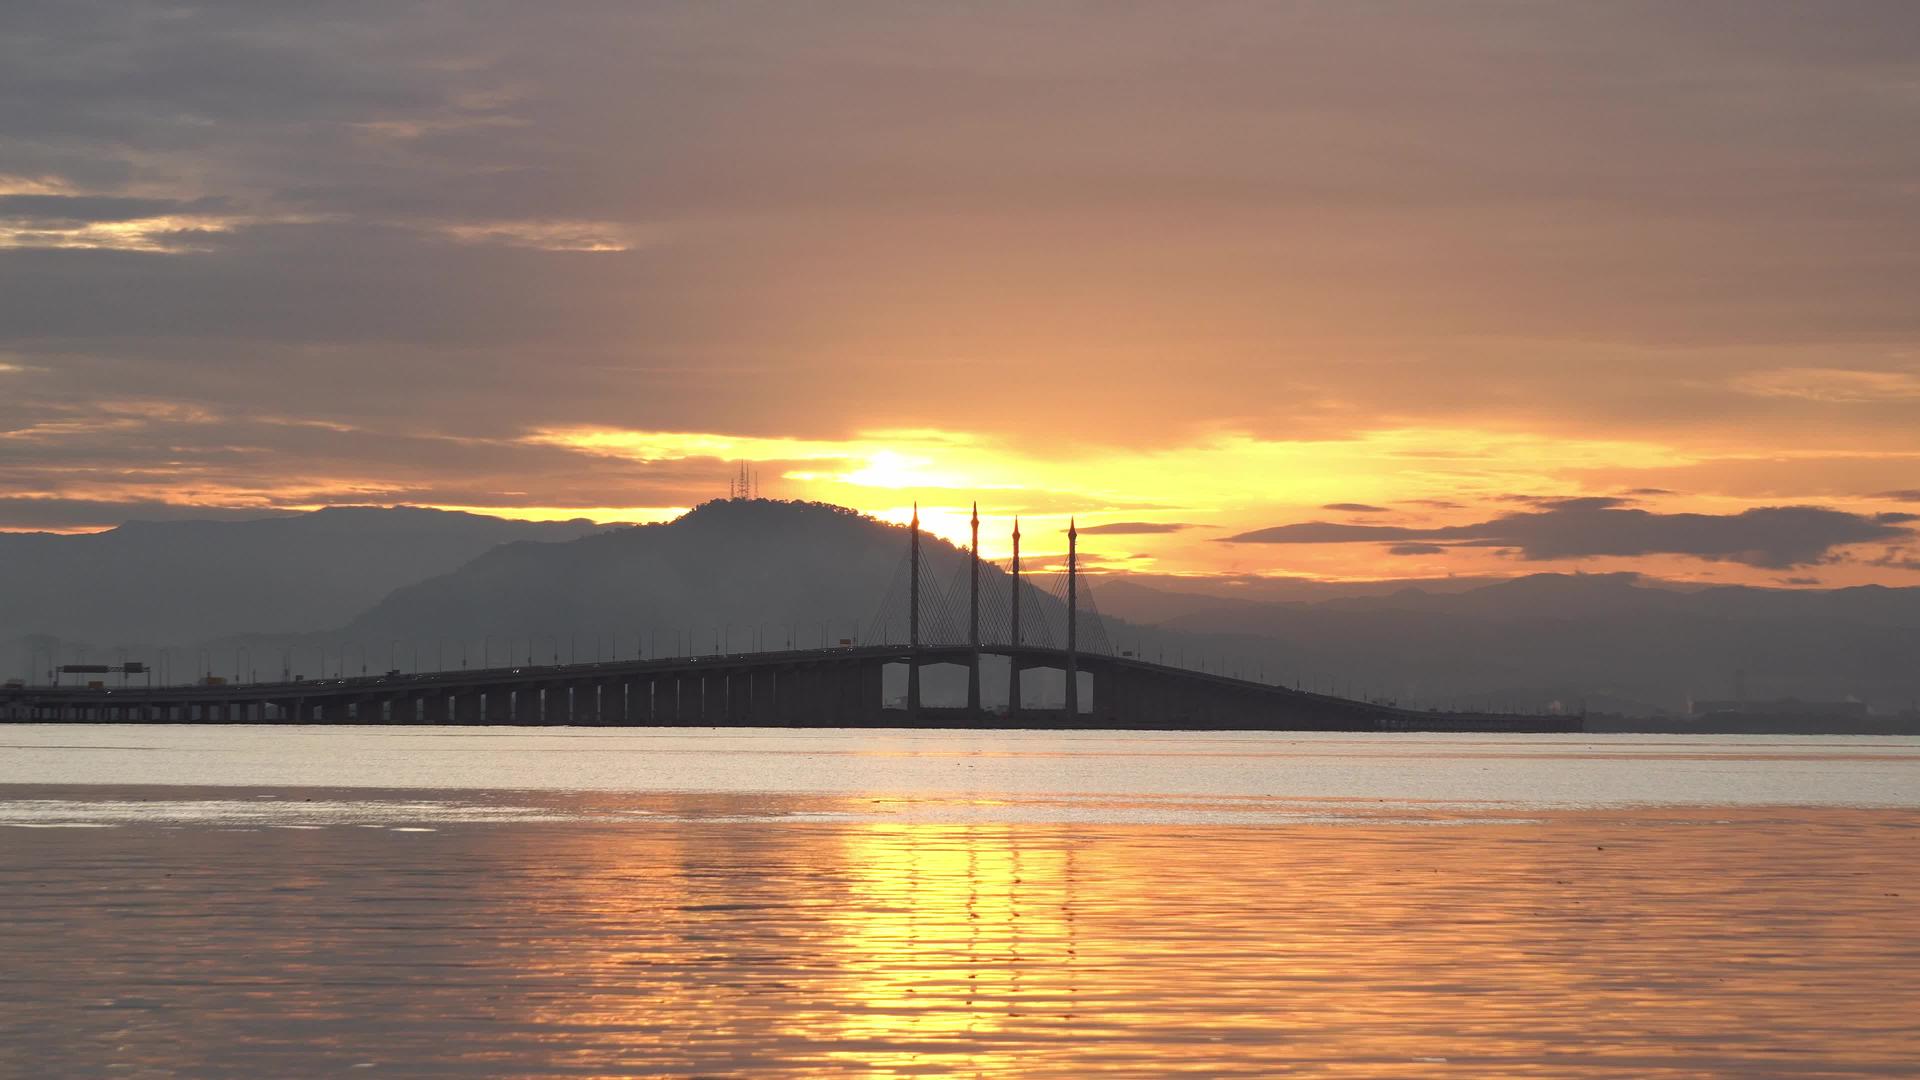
[{"x": 712, "y": 937}]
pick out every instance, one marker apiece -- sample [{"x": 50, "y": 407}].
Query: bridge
[{"x": 830, "y": 686}]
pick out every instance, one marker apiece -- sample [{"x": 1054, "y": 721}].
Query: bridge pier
[
  {"x": 579, "y": 702},
  {"x": 869, "y": 695},
  {"x": 692, "y": 699},
  {"x": 763, "y": 697},
  {"x": 739, "y": 698},
  {"x": 607, "y": 699},
  {"x": 639, "y": 701},
  {"x": 496, "y": 706},
  {"x": 466, "y": 708},
  {"x": 556, "y": 705},
  {"x": 666, "y": 700}
]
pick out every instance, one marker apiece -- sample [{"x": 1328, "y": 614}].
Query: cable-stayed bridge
[{"x": 1034, "y": 646}]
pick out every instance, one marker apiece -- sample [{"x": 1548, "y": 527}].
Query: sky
[{"x": 1342, "y": 290}]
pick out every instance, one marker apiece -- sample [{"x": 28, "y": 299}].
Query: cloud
[
  {"x": 1833, "y": 386},
  {"x": 577, "y": 236},
  {"x": 1415, "y": 549},
  {"x": 1770, "y": 537},
  {"x": 806, "y": 223},
  {"x": 1566, "y": 502},
  {"x": 1907, "y": 495},
  {"x": 1131, "y": 528},
  {"x": 1355, "y": 508},
  {"x": 1897, "y": 558},
  {"x": 37, "y": 514}
]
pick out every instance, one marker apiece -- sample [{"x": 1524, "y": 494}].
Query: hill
[
  {"x": 1603, "y": 641},
  {"x": 179, "y": 582}
]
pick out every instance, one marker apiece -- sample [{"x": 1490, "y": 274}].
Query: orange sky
[{"x": 1210, "y": 270}]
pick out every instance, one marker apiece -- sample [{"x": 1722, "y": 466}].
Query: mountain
[
  {"x": 744, "y": 567},
  {"x": 182, "y": 581},
  {"x": 353, "y": 589},
  {"x": 1605, "y": 641}
]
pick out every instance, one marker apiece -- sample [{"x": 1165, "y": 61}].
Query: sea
[{"x": 479, "y": 902}]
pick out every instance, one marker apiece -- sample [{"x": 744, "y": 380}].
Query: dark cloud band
[{"x": 1775, "y": 537}]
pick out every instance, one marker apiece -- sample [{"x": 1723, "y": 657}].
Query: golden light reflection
[
  {"x": 951, "y": 933},
  {"x": 720, "y": 935}
]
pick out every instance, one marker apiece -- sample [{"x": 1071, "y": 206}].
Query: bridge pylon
[
  {"x": 913, "y": 622},
  {"x": 1073, "y": 620},
  {"x": 1013, "y": 631},
  {"x": 973, "y": 618}
]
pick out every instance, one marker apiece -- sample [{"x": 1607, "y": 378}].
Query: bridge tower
[
  {"x": 913, "y": 623},
  {"x": 973, "y": 619},
  {"x": 1073, "y": 620},
  {"x": 1013, "y": 635}
]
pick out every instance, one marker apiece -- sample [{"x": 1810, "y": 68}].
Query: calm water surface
[{"x": 463, "y": 902}]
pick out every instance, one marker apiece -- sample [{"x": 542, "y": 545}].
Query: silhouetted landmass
[
  {"x": 409, "y": 587},
  {"x": 1606, "y": 642},
  {"x": 748, "y": 565},
  {"x": 183, "y": 581}
]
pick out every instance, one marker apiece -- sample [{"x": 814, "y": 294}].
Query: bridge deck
[{"x": 812, "y": 687}]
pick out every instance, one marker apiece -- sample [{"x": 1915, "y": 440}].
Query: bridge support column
[
  {"x": 869, "y": 691},
  {"x": 498, "y": 706},
  {"x": 786, "y": 681},
  {"x": 693, "y": 699},
  {"x": 589, "y": 703},
  {"x": 613, "y": 703},
  {"x": 739, "y": 698},
  {"x": 667, "y": 707},
  {"x": 814, "y": 700},
  {"x": 841, "y": 695},
  {"x": 639, "y": 702},
  {"x": 764, "y": 697}
]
